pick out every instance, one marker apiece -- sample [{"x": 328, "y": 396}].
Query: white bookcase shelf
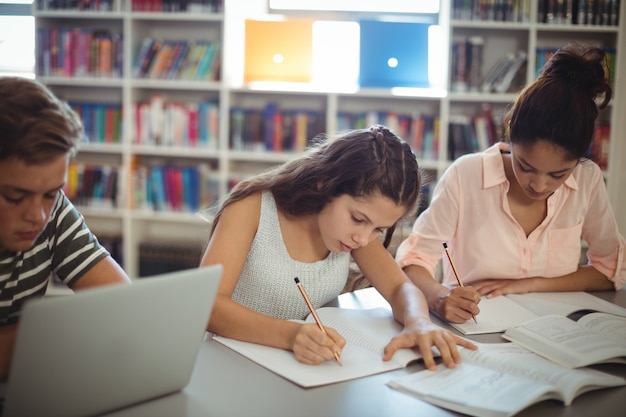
[{"x": 137, "y": 225}]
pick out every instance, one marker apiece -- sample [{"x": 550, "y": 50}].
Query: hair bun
[{"x": 580, "y": 67}]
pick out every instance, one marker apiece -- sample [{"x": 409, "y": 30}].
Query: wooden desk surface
[{"x": 226, "y": 384}]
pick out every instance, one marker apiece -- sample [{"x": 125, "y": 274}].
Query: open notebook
[
  {"x": 109, "y": 347},
  {"x": 499, "y": 313},
  {"x": 367, "y": 332}
]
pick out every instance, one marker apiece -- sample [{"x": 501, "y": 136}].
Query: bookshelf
[{"x": 223, "y": 159}]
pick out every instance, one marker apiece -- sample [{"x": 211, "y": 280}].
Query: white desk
[{"x": 226, "y": 384}]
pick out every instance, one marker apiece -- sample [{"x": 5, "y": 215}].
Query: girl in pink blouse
[{"x": 514, "y": 215}]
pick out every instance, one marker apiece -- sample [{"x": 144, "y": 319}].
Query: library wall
[{"x": 171, "y": 124}]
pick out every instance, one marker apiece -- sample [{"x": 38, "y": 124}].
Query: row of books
[
  {"x": 274, "y": 129},
  {"x": 467, "y": 63},
  {"x": 508, "y": 74},
  {"x": 419, "y": 130},
  {"x": 579, "y": 12},
  {"x": 79, "y": 52},
  {"x": 177, "y": 60},
  {"x": 160, "y": 257},
  {"x": 170, "y": 123},
  {"x": 102, "y": 121},
  {"x": 477, "y": 132},
  {"x": 492, "y": 10},
  {"x": 184, "y": 189},
  {"x": 472, "y": 133},
  {"x": 173, "y": 6},
  {"x": 86, "y": 5},
  {"x": 93, "y": 185}
]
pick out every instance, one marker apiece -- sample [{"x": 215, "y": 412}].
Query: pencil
[
  {"x": 456, "y": 274},
  {"x": 314, "y": 313}
]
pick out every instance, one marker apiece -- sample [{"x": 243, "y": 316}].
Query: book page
[
  {"x": 370, "y": 329},
  {"x": 501, "y": 379},
  {"x": 611, "y": 326},
  {"x": 565, "y": 303},
  {"x": 496, "y": 315},
  {"x": 514, "y": 359},
  {"x": 565, "y": 342},
  {"x": 473, "y": 389},
  {"x": 366, "y": 333}
]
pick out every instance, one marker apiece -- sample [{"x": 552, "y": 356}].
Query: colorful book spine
[
  {"x": 184, "y": 189},
  {"x": 101, "y": 121},
  {"x": 79, "y": 52},
  {"x": 93, "y": 185}
]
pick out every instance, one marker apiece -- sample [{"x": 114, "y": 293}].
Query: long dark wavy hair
[
  {"x": 357, "y": 163},
  {"x": 560, "y": 106}
]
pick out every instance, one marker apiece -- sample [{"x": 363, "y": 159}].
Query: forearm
[
  {"x": 233, "y": 320},
  {"x": 586, "y": 278},
  {"x": 7, "y": 342},
  {"x": 409, "y": 304},
  {"x": 430, "y": 287}
]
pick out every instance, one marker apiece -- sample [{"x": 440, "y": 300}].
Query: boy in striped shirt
[{"x": 41, "y": 232}]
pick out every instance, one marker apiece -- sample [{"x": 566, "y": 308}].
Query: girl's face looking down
[
  {"x": 540, "y": 168},
  {"x": 348, "y": 223}
]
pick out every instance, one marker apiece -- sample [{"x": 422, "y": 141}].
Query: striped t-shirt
[{"x": 66, "y": 248}]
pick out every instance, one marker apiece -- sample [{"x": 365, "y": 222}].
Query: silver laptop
[{"x": 106, "y": 348}]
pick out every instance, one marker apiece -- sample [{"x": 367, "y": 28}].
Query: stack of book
[
  {"x": 79, "y": 52},
  {"x": 507, "y": 75},
  {"x": 185, "y": 189},
  {"x": 579, "y": 12},
  {"x": 274, "y": 129},
  {"x": 492, "y": 10},
  {"x": 92, "y": 185},
  {"x": 172, "y": 123},
  {"x": 175, "y": 6},
  {"x": 102, "y": 121},
  {"x": 177, "y": 60}
]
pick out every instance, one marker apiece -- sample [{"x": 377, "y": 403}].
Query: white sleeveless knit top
[{"x": 266, "y": 284}]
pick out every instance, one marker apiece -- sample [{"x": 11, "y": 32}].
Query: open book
[
  {"x": 499, "y": 313},
  {"x": 565, "y": 303},
  {"x": 594, "y": 338},
  {"x": 500, "y": 380},
  {"x": 367, "y": 332}
]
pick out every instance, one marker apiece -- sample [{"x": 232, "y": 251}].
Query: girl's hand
[
  {"x": 311, "y": 346},
  {"x": 425, "y": 335},
  {"x": 494, "y": 287},
  {"x": 458, "y": 305}
]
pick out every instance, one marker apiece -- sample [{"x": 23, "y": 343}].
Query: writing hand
[
  {"x": 459, "y": 304},
  {"x": 425, "y": 335},
  {"x": 311, "y": 346}
]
